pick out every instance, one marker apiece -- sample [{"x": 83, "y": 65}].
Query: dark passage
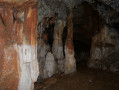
[{"x": 86, "y": 23}]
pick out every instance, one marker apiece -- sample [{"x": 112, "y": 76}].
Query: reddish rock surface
[
  {"x": 9, "y": 76},
  {"x": 16, "y": 30},
  {"x": 70, "y": 62}
]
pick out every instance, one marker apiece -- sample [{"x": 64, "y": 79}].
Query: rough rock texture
[
  {"x": 47, "y": 8},
  {"x": 105, "y": 50},
  {"x": 50, "y": 65},
  {"x": 57, "y": 48},
  {"x": 28, "y": 62},
  {"x": 43, "y": 45},
  {"x": 59, "y": 10},
  {"x": 43, "y": 48},
  {"x": 112, "y": 3},
  {"x": 108, "y": 9},
  {"x": 8, "y": 50},
  {"x": 70, "y": 62},
  {"x": 18, "y": 46},
  {"x": 16, "y": 2}
]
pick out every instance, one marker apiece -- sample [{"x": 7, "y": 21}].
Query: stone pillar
[
  {"x": 50, "y": 65},
  {"x": 57, "y": 48},
  {"x": 18, "y": 45},
  {"x": 43, "y": 48},
  {"x": 70, "y": 63}
]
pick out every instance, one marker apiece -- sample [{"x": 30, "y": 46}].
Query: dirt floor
[{"x": 83, "y": 79}]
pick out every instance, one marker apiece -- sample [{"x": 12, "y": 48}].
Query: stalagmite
[
  {"x": 18, "y": 45},
  {"x": 70, "y": 63},
  {"x": 57, "y": 48},
  {"x": 50, "y": 65}
]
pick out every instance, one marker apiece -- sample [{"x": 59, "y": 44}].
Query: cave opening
[{"x": 85, "y": 24}]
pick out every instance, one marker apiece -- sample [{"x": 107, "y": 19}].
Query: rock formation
[
  {"x": 50, "y": 65},
  {"x": 70, "y": 62},
  {"x": 21, "y": 19},
  {"x": 106, "y": 9},
  {"x": 104, "y": 51},
  {"x": 18, "y": 45},
  {"x": 43, "y": 49},
  {"x": 57, "y": 48}
]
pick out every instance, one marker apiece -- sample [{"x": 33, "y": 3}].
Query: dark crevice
[
  {"x": 50, "y": 32},
  {"x": 64, "y": 37}
]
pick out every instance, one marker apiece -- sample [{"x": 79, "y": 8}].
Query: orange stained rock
[
  {"x": 12, "y": 31},
  {"x": 18, "y": 2}
]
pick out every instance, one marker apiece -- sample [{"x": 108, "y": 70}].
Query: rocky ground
[{"x": 83, "y": 79}]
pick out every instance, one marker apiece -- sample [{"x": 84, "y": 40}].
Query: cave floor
[{"x": 83, "y": 79}]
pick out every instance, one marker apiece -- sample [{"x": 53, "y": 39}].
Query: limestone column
[
  {"x": 70, "y": 62},
  {"x": 28, "y": 49},
  {"x": 43, "y": 48},
  {"x": 18, "y": 45},
  {"x": 57, "y": 48}
]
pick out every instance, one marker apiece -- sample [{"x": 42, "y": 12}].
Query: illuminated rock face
[
  {"x": 104, "y": 51},
  {"x": 18, "y": 47},
  {"x": 57, "y": 44},
  {"x": 29, "y": 67},
  {"x": 50, "y": 65}
]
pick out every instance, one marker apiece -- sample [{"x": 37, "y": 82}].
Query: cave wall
[
  {"x": 94, "y": 13},
  {"x": 18, "y": 45},
  {"x": 105, "y": 50},
  {"x": 102, "y": 29}
]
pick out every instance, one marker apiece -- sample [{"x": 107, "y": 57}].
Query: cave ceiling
[{"x": 108, "y": 9}]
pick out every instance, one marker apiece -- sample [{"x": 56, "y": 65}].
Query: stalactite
[
  {"x": 47, "y": 64},
  {"x": 70, "y": 63},
  {"x": 57, "y": 48}
]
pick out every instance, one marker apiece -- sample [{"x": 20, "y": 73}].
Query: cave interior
[{"x": 59, "y": 44}]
